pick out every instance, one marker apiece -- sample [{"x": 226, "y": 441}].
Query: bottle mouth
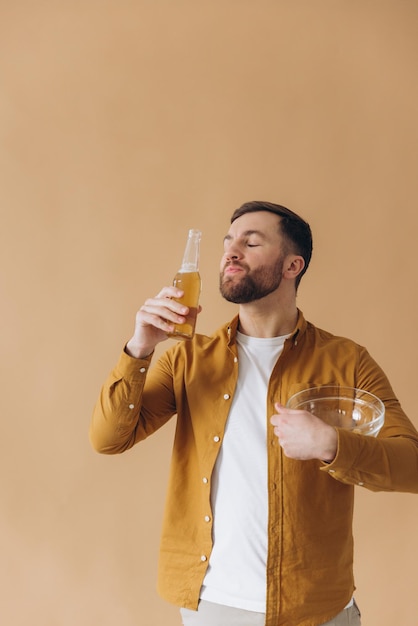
[{"x": 194, "y": 232}]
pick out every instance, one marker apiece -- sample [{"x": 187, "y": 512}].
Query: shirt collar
[{"x": 295, "y": 335}]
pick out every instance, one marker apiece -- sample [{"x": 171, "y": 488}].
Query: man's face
[{"x": 252, "y": 263}]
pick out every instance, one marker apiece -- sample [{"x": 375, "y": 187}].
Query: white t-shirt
[{"x": 236, "y": 574}]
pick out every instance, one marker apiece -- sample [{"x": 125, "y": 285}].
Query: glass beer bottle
[{"x": 188, "y": 280}]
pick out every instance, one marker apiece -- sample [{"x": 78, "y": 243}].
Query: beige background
[{"x": 124, "y": 123}]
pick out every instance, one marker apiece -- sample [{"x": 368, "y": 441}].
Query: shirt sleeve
[
  {"x": 119, "y": 417},
  {"x": 388, "y": 462}
]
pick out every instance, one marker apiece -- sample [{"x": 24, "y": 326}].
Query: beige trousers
[{"x": 210, "y": 614}]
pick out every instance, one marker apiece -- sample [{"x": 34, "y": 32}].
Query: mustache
[{"x": 235, "y": 264}]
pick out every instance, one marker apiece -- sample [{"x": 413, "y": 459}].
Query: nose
[{"x": 232, "y": 252}]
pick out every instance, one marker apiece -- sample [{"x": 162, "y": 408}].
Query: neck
[{"x": 266, "y": 318}]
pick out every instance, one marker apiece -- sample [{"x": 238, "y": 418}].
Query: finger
[
  {"x": 154, "y": 315},
  {"x": 147, "y": 319},
  {"x": 164, "y": 306},
  {"x": 278, "y": 420},
  {"x": 170, "y": 292},
  {"x": 284, "y": 410},
  {"x": 277, "y": 431}
]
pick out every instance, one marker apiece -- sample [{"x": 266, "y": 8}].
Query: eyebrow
[{"x": 247, "y": 233}]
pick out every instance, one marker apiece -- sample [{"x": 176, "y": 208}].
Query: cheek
[{"x": 223, "y": 261}]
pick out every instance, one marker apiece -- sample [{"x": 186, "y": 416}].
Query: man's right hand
[{"x": 155, "y": 320}]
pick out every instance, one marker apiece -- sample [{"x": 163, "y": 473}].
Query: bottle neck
[{"x": 191, "y": 253}]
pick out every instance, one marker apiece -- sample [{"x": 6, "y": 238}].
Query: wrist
[
  {"x": 138, "y": 351},
  {"x": 330, "y": 450}
]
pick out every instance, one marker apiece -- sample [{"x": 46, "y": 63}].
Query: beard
[{"x": 254, "y": 285}]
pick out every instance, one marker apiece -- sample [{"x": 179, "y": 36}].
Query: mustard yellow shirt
[{"x": 310, "y": 543}]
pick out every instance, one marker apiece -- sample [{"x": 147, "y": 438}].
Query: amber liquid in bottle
[{"x": 188, "y": 280}]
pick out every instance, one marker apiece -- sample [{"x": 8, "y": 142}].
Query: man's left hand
[{"x": 303, "y": 436}]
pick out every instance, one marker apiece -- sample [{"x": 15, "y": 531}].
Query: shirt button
[
  {"x": 203, "y": 558},
  {"x": 332, "y": 471},
  {"x": 360, "y": 484},
  {"x": 226, "y": 396},
  {"x": 216, "y": 439},
  {"x": 131, "y": 406},
  {"x": 207, "y": 518},
  {"x": 142, "y": 370},
  {"x": 235, "y": 359},
  {"x": 205, "y": 480}
]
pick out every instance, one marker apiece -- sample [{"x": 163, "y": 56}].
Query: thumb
[{"x": 279, "y": 407}]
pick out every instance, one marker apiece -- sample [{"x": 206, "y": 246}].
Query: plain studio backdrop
[{"x": 123, "y": 124}]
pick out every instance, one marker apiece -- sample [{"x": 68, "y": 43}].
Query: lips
[{"x": 233, "y": 269}]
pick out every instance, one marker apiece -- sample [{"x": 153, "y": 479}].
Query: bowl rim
[{"x": 342, "y": 388}]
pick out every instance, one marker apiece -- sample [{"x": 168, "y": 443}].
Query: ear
[{"x": 292, "y": 267}]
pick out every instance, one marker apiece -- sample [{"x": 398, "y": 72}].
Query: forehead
[{"x": 262, "y": 222}]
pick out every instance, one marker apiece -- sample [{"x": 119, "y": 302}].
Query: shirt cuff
[{"x": 131, "y": 368}]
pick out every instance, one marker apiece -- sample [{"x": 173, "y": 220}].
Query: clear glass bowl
[{"x": 345, "y": 407}]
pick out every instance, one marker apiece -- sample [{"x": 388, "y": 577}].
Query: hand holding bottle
[
  {"x": 173, "y": 312},
  {"x": 156, "y": 320}
]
